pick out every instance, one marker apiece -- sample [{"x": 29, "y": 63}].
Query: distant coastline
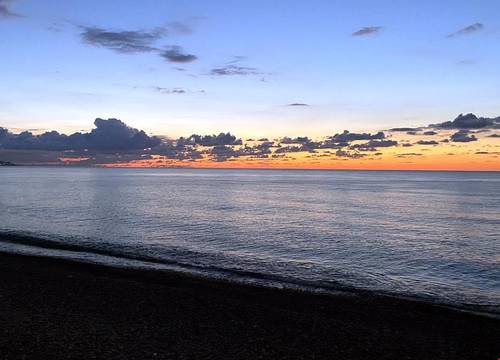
[
  {"x": 117, "y": 166},
  {"x": 6, "y": 163}
]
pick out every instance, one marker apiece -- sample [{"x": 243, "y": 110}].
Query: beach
[{"x": 60, "y": 309}]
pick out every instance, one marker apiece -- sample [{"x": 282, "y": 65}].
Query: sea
[{"x": 429, "y": 236}]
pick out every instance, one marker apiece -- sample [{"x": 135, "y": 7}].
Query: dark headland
[
  {"x": 56, "y": 309},
  {"x": 6, "y": 163}
]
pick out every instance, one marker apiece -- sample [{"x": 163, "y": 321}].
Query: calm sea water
[{"x": 431, "y": 235}]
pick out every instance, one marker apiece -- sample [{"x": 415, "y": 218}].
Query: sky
[{"x": 256, "y": 69}]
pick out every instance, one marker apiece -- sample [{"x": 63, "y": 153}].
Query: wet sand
[{"x": 58, "y": 309}]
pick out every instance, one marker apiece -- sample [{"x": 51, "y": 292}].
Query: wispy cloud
[
  {"x": 175, "y": 90},
  {"x": 5, "y": 11},
  {"x": 467, "y": 30},
  {"x": 467, "y": 62},
  {"x": 176, "y": 54},
  {"x": 139, "y": 41},
  {"x": 237, "y": 59},
  {"x": 163, "y": 90},
  {"x": 234, "y": 70},
  {"x": 367, "y": 30},
  {"x": 179, "y": 27},
  {"x": 298, "y": 104},
  {"x": 427, "y": 142}
]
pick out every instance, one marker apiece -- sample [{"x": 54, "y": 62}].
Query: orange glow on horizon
[
  {"x": 481, "y": 155},
  {"x": 472, "y": 162}
]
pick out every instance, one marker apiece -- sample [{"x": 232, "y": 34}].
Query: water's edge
[{"x": 25, "y": 244}]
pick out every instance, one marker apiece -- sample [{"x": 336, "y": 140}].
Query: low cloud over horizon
[{"x": 113, "y": 143}]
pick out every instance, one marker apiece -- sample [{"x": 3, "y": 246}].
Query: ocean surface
[{"x": 434, "y": 236}]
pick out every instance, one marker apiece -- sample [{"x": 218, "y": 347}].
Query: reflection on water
[{"x": 432, "y": 234}]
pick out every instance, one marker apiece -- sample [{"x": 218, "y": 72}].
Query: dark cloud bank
[
  {"x": 111, "y": 134},
  {"x": 469, "y": 121},
  {"x": 113, "y": 141}
]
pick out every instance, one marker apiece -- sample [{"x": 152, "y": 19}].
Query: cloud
[
  {"x": 5, "y": 11},
  {"x": 494, "y": 136},
  {"x": 234, "y": 70},
  {"x": 467, "y": 30},
  {"x": 346, "y": 154},
  {"x": 163, "y": 90},
  {"x": 111, "y": 134},
  {"x": 222, "y": 152},
  {"x": 404, "y": 129},
  {"x": 115, "y": 134},
  {"x": 469, "y": 121},
  {"x": 112, "y": 141},
  {"x": 487, "y": 152},
  {"x": 462, "y": 136},
  {"x": 179, "y": 28},
  {"x": 425, "y": 142},
  {"x": 288, "y": 149},
  {"x": 467, "y": 62},
  {"x": 408, "y": 155},
  {"x": 3, "y": 133},
  {"x": 139, "y": 41},
  {"x": 123, "y": 41},
  {"x": 346, "y": 137},
  {"x": 367, "y": 30},
  {"x": 298, "y": 104},
  {"x": 169, "y": 90},
  {"x": 372, "y": 145},
  {"x": 237, "y": 59},
  {"x": 176, "y": 90},
  {"x": 297, "y": 140},
  {"x": 176, "y": 54},
  {"x": 210, "y": 140}
]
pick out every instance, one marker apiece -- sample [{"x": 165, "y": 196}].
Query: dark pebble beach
[{"x": 57, "y": 309}]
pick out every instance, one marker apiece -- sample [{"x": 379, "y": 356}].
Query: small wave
[
  {"x": 106, "y": 254},
  {"x": 106, "y": 250}
]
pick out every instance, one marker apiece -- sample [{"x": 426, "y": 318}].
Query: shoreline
[
  {"x": 149, "y": 267},
  {"x": 60, "y": 308}
]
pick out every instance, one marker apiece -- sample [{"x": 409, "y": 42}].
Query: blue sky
[{"x": 408, "y": 72}]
